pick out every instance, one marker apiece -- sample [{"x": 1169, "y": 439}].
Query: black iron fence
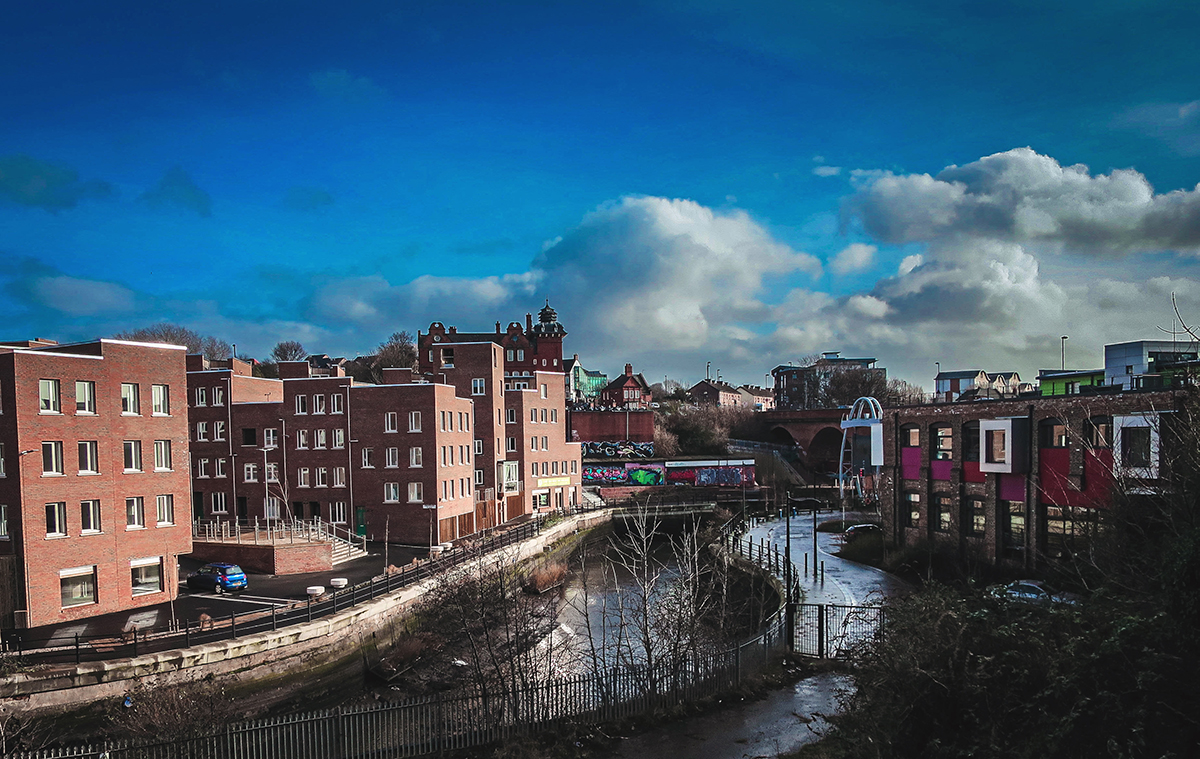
[{"x": 830, "y": 631}]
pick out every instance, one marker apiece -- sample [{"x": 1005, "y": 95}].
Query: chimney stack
[
  {"x": 497, "y": 328},
  {"x": 628, "y": 370},
  {"x": 528, "y": 322}
]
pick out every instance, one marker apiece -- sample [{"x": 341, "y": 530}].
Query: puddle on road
[{"x": 783, "y": 721}]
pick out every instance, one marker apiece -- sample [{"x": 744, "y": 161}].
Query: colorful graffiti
[
  {"x": 661, "y": 474},
  {"x": 617, "y": 449}
]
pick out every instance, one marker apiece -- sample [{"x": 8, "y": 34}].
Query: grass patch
[{"x": 865, "y": 550}]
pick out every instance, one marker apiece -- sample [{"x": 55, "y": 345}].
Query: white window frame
[
  {"x": 478, "y": 386},
  {"x": 337, "y": 509},
  {"x": 391, "y": 492},
  {"x": 219, "y": 431},
  {"x": 218, "y": 396},
  {"x": 270, "y": 437},
  {"x": 272, "y": 471},
  {"x": 339, "y": 476},
  {"x": 131, "y": 454},
  {"x": 56, "y": 519},
  {"x": 49, "y": 396},
  {"x": 368, "y": 458},
  {"x": 391, "y": 457},
  {"x": 301, "y": 404},
  {"x": 218, "y": 467},
  {"x": 320, "y": 438},
  {"x": 416, "y": 457},
  {"x": 220, "y": 505},
  {"x": 160, "y": 400},
  {"x": 85, "y": 394},
  {"x": 391, "y": 421},
  {"x": 335, "y": 404},
  {"x": 479, "y": 446},
  {"x": 201, "y": 396},
  {"x": 302, "y": 480},
  {"x": 162, "y": 456},
  {"x": 164, "y": 510},
  {"x": 74, "y": 572},
  {"x": 318, "y": 406},
  {"x": 250, "y": 472},
  {"x": 414, "y": 421},
  {"x": 301, "y": 440},
  {"x": 131, "y": 399},
  {"x": 339, "y": 438},
  {"x": 89, "y": 457},
  {"x": 140, "y": 564},
  {"x": 135, "y": 513},
  {"x": 202, "y": 468},
  {"x": 416, "y": 492},
  {"x": 321, "y": 477},
  {"x": 510, "y": 416},
  {"x": 201, "y": 431}
]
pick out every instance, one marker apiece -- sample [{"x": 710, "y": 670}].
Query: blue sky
[{"x": 740, "y": 183}]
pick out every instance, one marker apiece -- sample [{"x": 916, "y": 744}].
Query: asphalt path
[{"x": 264, "y": 591}]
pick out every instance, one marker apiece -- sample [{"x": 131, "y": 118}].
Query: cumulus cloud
[
  {"x": 179, "y": 189},
  {"x": 341, "y": 85},
  {"x": 855, "y": 257},
  {"x": 1022, "y": 196},
  {"x": 31, "y": 182},
  {"x": 82, "y": 297},
  {"x": 827, "y": 171}
]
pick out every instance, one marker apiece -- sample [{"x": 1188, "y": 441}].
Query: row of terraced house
[{"x": 110, "y": 449}]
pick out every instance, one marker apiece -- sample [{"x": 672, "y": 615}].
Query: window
[
  {"x": 272, "y": 472},
  {"x": 511, "y": 415},
  {"x": 335, "y": 407},
  {"x": 131, "y": 402},
  {"x": 339, "y": 477},
  {"x": 943, "y": 442},
  {"x": 146, "y": 575},
  {"x": 970, "y": 441},
  {"x": 301, "y": 404},
  {"x": 56, "y": 519},
  {"x": 160, "y": 400},
  {"x": 416, "y": 492},
  {"x": 201, "y": 396},
  {"x": 533, "y": 415},
  {"x": 544, "y": 392},
  {"x": 996, "y": 444},
  {"x": 4, "y": 520},
  {"x": 533, "y": 469},
  {"x": 162, "y": 455},
  {"x": 218, "y": 431},
  {"x": 391, "y": 492},
  {"x": 135, "y": 513},
  {"x": 447, "y": 358},
  {"x": 89, "y": 457},
  {"x": 1014, "y": 525},
  {"x": 318, "y": 404},
  {"x": 249, "y": 436},
  {"x": 2, "y": 474},
  {"x": 250, "y": 472},
  {"x": 553, "y": 467},
  {"x": 415, "y": 455},
  {"x": 910, "y": 437},
  {"x": 545, "y": 444},
  {"x": 368, "y": 458},
  {"x": 132, "y": 450},
  {"x": 219, "y": 468},
  {"x": 85, "y": 397},
  {"x": 520, "y": 354},
  {"x": 391, "y": 458},
  {"x": 1135, "y": 447},
  {"x": 218, "y": 396},
  {"x": 320, "y": 438},
  {"x": 944, "y": 504},
  {"x": 77, "y": 586},
  {"x": 508, "y": 355},
  {"x": 270, "y": 438},
  {"x": 202, "y": 468},
  {"x": 301, "y": 439},
  {"x": 339, "y": 438},
  {"x": 322, "y": 475},
  {"x": 443, "y": 418},
  {"x": 165, "y": 509},
  {"x": 554, "y": 416},
  {"x": 1099, "y": 432},
  {"x": 914, "y": 508},
  {"x": 511, "y": 445},
  {"x": 337, "y": 509},
  {"x": 479, "y": 447},
  {"x": 976, "y": 516},
  {"x": 218, "y": 504},
  {"x": 48, "y": 397},
  {"x": 271, "y": 507},
  {"x": 52, "y": 457},
  {"x": 1053, "y": 434},
  {"x": 201, "y": 430},
  {"x": 391, "y": 422},
  {"x": 302, "y": 477},
  {"x": 414, "y": 421},
  {"x": 477, "y": 386},
  {"x": 543, "y": 412},
  {"x": 533, "y": 443}
]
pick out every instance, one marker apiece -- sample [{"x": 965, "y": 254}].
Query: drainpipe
[
  {"x": 896, "y": 521},
  {"x": 229, "y": 437},
  {"x": 1031, "y": 493}
]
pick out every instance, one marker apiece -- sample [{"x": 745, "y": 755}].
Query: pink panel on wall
[
  {"x": 940, "y": 470},
  {"x": 1012, "y": 487},
  {"x": 1054, "y": 468},
  {"x": 971, "y": 472},
  {"x": 910, "y": 463}
]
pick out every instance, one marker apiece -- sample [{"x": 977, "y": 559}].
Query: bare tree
[
  {"x": 398, "y": 350},
  {"x": 165, "y": 332},
  {"x": 288, "y": 350}
]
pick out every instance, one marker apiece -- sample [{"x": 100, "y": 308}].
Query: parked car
[
  {"x": 1034, "y": 592},
  {"x": 218, "y": 578},
  {"x": 856, "y": 531}
]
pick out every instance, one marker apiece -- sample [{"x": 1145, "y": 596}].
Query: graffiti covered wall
[
  {"x": 617, "y": 449},
  {"x": 702, "y": 473}
]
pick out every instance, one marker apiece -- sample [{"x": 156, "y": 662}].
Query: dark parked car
[
  {"x": 856, "y": 531},
  {"x": 1034, "y": 592},
  {"x": 218, "y": 578}
]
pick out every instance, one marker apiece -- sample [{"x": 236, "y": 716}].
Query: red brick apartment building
[
  {"x": 395, "y": 459},
  {"x": 1017, "y": 482},
  {"x": 517, "y": 383},
  {"x": 93, "y": 478}
]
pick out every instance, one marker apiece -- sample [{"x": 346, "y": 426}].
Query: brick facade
[
  {"x": 1062, "y": 453},
  {"x": 87, "y": 539}
]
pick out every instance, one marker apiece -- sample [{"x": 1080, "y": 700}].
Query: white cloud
[
  {"x": 827, "y": 171},
  {"x": 908, "y": 263},
  {"x": 82, "y": 297},
  {"x": 852, "y": 258}
]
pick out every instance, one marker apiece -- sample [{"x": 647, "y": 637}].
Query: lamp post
[
  {"x": 937, "y": 364},
  {"x": 1063, "y": 350}
]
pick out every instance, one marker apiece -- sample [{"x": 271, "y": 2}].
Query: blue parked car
[{"x": 218, "y": 578}]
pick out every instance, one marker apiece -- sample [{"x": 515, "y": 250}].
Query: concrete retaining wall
[
  {"x": 255, "y": 663},
  {"x": 284, "y": 559}
]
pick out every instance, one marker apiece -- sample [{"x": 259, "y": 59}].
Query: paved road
[{"x": 845, "y": 582}]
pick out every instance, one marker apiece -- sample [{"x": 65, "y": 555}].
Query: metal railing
[
  {"x": 418, "y": 727},
  {"x": 273, "y": 531}
]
